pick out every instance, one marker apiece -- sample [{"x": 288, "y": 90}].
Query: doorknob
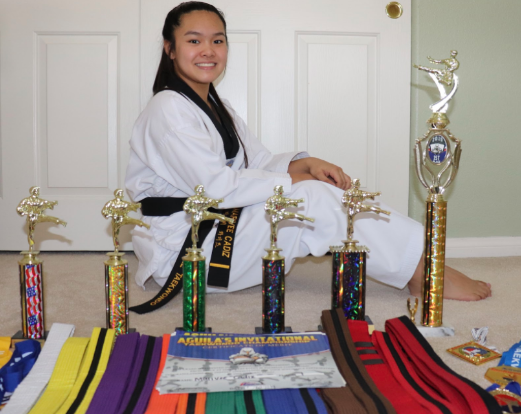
[{"x": 394, "y": 10}]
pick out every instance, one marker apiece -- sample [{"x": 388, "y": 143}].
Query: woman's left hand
[{"x": 323, "y": 171}]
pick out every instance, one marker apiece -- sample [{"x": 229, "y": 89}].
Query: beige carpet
[{"x": 74, "y": 293}]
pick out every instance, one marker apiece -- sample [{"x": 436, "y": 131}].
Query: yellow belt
[
  {"x": 5, "y": 353},
  {"x": 92, "y": 368},
  {"x": 63, "y": 376}
]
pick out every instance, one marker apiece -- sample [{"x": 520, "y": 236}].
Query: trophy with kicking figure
[
  {"x": 116, "y": 268},
  {"x": 349, "y": 260},
  {"x": 31, "y": 267},
  {"x": 273, "y": 264},
  {"x": 437, "y": 156},
  {"x": 194, "y": 263}
]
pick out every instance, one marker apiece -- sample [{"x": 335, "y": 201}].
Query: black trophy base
[
  {"x": 207, "y": 330},
  {"x": 19, "y": 337},
  {"x": 260, "y": 331},
  {"x": 370, "y": 325}
]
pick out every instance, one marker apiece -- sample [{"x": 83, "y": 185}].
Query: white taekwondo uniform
[{"x": 175, "y": 146}]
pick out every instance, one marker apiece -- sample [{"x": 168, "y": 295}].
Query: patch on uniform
[
  {"x": 474, "y": 353},
  {"x": 437, "y": 148}
]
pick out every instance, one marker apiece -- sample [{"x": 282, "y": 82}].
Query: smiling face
[{"x": 201, "y": 51}]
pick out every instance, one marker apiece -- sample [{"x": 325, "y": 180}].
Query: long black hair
[{"x": 166, "y": 71}]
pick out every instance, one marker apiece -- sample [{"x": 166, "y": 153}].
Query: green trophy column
[{"x": 194, "y": 291}]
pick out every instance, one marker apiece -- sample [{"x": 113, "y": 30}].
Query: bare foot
[{"x": 457, "y": 286}]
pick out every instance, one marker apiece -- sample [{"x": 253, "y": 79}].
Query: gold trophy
[
  {"x": 273, "y": 264},
  {"x": 194, "y": 263},
  {"x": 31, "y": 267},
  {"x": 349, "y": 261},
  {"x": 116, "y": 268},
  {"x": 437, "y": 156}
]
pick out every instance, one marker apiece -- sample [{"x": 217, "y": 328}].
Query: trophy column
[
  {"x": 350, "y": 260},
  {"x": 437, "y": 155},
  {"x": 31, "y": 267},
  {"x": 273, "y": 269},
  {"x": 116, "y": 293},
  {"x": 116, "y": 268}
]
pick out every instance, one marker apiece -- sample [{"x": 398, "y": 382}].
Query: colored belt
[
  {"x": 31, "y": 388},
  {"x": 113, "y": 385},
  {"x": 235, "y": 402},
  {"x": 429, "y": 366},
  {"x": 5, "y": 353},
  {"x": 91, "y": 371},
  {"x": 166, "y": 403},
  {"x": 220, "y": 263},
  {"x": 191, "y": 403},
  {"x": 406, "y": 397},
  {"x": 63, "y": 377},
  {"x": 360, "y": 394},
  {"x": 22, "y": 361},
  {"x": 298, "y": 401},
  {"x": 143, "y": 376}
]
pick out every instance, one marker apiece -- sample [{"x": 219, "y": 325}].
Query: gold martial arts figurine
[
  {"x": 276, "y": 207},
  {"x": 118, "y": 210},
  {"x": 197, "y": 205},
  {"x": 33, "y": 207},
  {"x": 445, "y": 76},
  {"x": 352, "y": 200},
  {"x": 412, "y": 309}
]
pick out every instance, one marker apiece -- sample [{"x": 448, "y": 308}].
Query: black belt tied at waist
[{"x": 220, "y": 263}]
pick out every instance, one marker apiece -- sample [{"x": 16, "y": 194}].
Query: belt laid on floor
[
  {"x": 113, "y": 385},
  {"x": 360, "y": 395},
  {"x": 220, "y": 262},
  {"x": 32, "y": 386},
  {"x": 428, "y": 365},
  {"x": 143, "y": 376},
  {"x": 405, "y": 397},
  {"x": 191, "y": 403},
  {"x": 289, "y": 401},
  {"x": 166, "y": 403},
  {"x": 63, "y": 377}
]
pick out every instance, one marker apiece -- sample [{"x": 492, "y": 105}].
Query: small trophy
[
  {"x": 31, "y": 267},
  {"x": 273, "y": 264},
  {"x": 194, "y": 263},
  {"x": 437, "y": 156},
  {"x": 116, "y": 268},
  {"x": 349, "y": 260}
]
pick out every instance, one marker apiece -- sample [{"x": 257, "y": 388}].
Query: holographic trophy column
[
  {"x": 437, "y": 155},
  {"x": 194, "y": 263},
  {"x": 116, "y": 268},
  {"x": 350, "y": 260},
  {"x": 273, "y": 272},
  {"x": 31, "y": 267}
]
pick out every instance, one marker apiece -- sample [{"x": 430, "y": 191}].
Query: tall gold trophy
[
  {"x": 116, "y": 268},
  {"x": 31, "y": 267},
  {"x": 437, "y": 155}
]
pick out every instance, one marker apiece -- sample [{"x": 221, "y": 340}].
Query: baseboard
[{"x": 483, "y": 247}]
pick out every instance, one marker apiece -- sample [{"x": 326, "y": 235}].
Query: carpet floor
[{"x": 75, "y": 293}]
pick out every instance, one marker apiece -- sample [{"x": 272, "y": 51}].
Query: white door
[
  {"x": 69, "y": 80},
  {"x": 329, "y": 77}
]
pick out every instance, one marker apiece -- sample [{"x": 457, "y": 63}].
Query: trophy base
[
  {"x": 207, "y": 330},
  {"x": 260, "y": 331},
  {"x": 131, "y": 330},
  {"x": 436, "y": 331},
  {"x": 19, "y": 337}
]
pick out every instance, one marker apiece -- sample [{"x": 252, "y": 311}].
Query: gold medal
[{"x": 475, "y": 353}]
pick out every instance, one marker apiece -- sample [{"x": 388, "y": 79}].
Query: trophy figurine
[
  {"x": 116, "y": 268},
  {"x": 349, "y": 260},
  {"x": 194, "y": 263},
  {"x": 437, "y": 156},
  {"x": 273, "y": 264},
  {"x": 31, "y": 267}
]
